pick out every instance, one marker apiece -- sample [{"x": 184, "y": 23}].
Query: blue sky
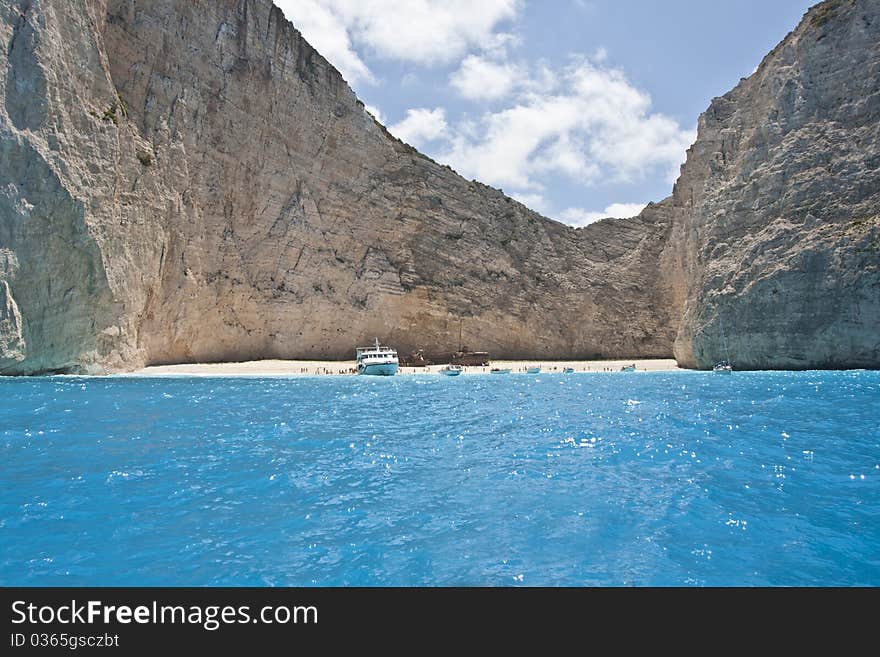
[{"x": 581, "y": 109}]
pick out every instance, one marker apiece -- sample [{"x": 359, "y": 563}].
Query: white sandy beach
[{"x": 315, "y": 367}]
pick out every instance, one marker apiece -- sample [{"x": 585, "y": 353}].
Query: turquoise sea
[{"x": 680, "y": 478}]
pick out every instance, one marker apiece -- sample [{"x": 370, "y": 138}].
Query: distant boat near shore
[
  {"x": 377, "y": 360},
  {"x": 568, "y": 370},
  {"x": 451, "y": 370},
  {"x": 723, "y": 366},
  {"x": 533, "y": 370},
  {"x": 628, "y": 368},
  {"x": 498, "y": 370}
]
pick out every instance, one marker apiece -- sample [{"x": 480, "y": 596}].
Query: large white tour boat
[{"x": 377, "y": 360}]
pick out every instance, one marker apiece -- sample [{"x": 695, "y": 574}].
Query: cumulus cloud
[
  {"x": 426, "y": 32},
  {"x": 479, "y": 78},
  {"x": 581, "y": 217},
  {"x": 586, "y": 122},
  {"x": 421, "y": 126}
]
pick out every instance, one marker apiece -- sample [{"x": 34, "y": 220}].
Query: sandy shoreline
[{"x": 317, "y": 368}]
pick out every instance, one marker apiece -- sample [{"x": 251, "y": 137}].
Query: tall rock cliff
[
  {"x": 191, "y": 181},
  {"x": 775, "y": 249}
]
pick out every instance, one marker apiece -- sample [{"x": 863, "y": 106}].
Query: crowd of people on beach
[
  {"x": 472, "y": 370},
  {"x": 325, "y": 370}
]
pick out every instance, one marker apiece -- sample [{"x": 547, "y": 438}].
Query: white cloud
[
  {"x": 541, "y": 80},
  {"x": 479, "y": 78},
  {"x": 588, "y": 123},
  {"x": 498, "y": 44},
  {"x": 421, "y": 125},
  {"x": 422, "y": 31},
  {"x": 565, "y": 155},
  {"x": 581, "y": 217}
]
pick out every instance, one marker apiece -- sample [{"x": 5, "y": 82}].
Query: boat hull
[
  {"x": 450, "y": 373},
  {"x": 383, "y": 369}
]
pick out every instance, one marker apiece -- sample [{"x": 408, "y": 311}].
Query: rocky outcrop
[
  {"x": 191, "y": 181},
  {"x": 776, "y": 241}
]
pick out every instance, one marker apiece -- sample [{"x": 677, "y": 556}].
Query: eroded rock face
[
  {"x": 191, "y": 181},
  {"x": 777, "y": 232}
]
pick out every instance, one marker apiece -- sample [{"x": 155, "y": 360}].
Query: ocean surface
[{"x": 679, "y": 478}]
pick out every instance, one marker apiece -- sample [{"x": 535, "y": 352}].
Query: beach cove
[{"x": 261, "y": 368}]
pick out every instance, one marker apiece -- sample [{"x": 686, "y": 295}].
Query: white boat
[
  {"x": 377, "y": 360},
  {"x": 722, "y": 367},
  {"x": 628, "y": 368},
  {"x": 451, "y": 370}
]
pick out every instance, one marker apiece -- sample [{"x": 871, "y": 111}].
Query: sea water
[{"x": 680, "y": 478}]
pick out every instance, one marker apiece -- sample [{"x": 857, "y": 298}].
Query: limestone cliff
[
  {"x": 775, "y": 248},
  {"x": 191, "y": 181}
]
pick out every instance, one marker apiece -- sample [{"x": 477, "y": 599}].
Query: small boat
[
  {"x": 451, "y": 370},
  {"x": 498, "y": 370},
  {"x": 722, "y": 367},
  {"x": 568, "y": 370},
  {"x": 533, "y": 370},
  {"x": 628, "y": 368},
  {"x": 377, "y": 360}
]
